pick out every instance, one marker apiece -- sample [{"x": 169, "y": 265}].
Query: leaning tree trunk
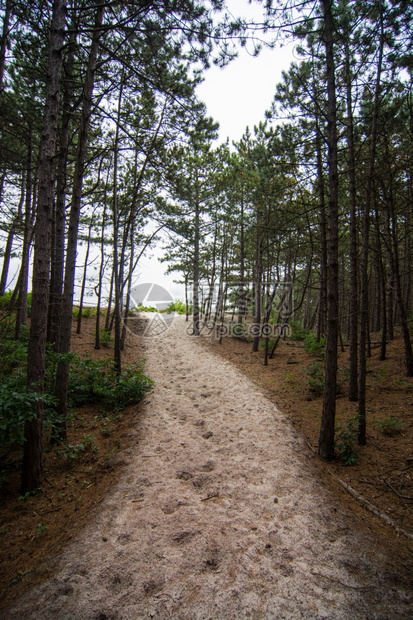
[
  {"x": 21, "y": 314},
  {"x": 7, "y": 256},
  {"x": 326, "y": 439},
  {"x": 32, "y": 468},
  {"x": 99, "y": 286},
  {"x": 83, "y": 287}
]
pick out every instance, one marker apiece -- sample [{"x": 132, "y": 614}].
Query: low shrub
[
  {"x": 298, "y": 332},
  {"x": 316, "y": 377},
  {"x": 345, "y": 440},
  {"x": 389, "y": 426},
  {"x": 314, "y": 346},
  {"x": 178, "y": 306}
]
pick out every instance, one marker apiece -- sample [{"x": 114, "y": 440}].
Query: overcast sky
[{"x": 236, "y": 96}]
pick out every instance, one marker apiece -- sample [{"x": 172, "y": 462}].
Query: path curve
[{"x": 220, "y": 514}]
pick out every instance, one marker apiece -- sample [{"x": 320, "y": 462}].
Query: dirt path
[{"x": 220, "y": 514}]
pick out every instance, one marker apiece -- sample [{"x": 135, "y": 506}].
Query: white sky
[{"x": 236, "y": 96}]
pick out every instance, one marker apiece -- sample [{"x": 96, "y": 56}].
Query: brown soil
[
  {"x": 71, "y": 490},
  {"x": 383, "y": 473},
  {"x": 220, "y": 509}
]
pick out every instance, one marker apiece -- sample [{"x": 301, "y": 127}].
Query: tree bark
[
  {"x": 3, "y": 42},
  {"x": 364, "y": 297},
  {"x": 64, "y": 339},
  {"x": 21, "y": 314},
  {"x": 353, "y": 378},
  {"x": 32, "y": 468},
  {"x": 326, "y": 439},
  {"x": 195, "y": 294},
  {"x": 58, "y": 250}
]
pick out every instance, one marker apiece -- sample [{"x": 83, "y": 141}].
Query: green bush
[
  {"x": 316, "y": 378},
  {"x": 177, "y": 306},
  {"x": 92, "y": 381},
  {"x": 105, "y": 337},
  {"x": 390, "y": 425},
  {"x": 128, "y": 388},
  {"x": 86, "y": 312},
  {"x": 17, "y": 406},
  {"x": 239, "y": 330},
  {"x": 345, "y": 439},
  {"x": 89, "y": 381},
  {"x": 313, "y": 346},
  {"x": 298, "y": 332},
  {"x": 142, "y": 308},
  {"x": 5, "y": 299}
]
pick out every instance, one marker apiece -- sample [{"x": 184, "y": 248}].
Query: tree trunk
[
  {"x": 257, "y": 296},
  {"x": 64, "y": 340},
  {"x": 58, "y": 257},
  {"x": 242, "y": 304},
  {"x": 83, "y": 287},
  {"x": 117, "y": 267},
  {"x": 408, "y": 353},
  {"x": 21, "y": 315},
  {"x": 364, "y": 301},
  {"x": 353, "y": 378},
  {"x": 32, "y": 468},
  {"x": 326, "y": 439},
  {"x": 195, "y": 294},
  {"x": 3, "y": 42},
  {"x": 322, "y": 306},
  {"x": 7, "y": 256}
]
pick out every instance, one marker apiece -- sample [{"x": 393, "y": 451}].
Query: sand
[{"x": 220, "y": 513}]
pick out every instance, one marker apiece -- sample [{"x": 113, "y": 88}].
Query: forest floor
[{"x": 207, "y": 501}]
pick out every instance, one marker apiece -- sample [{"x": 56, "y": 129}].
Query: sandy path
[{"x": 220, "y": 514}]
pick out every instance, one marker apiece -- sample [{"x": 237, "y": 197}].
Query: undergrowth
[{"x": 90, "y": 382}]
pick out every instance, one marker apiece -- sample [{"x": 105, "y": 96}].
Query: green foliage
[
  {"x": 239, "y": 330},
  {"x": 298, "y": 332},
  {"x": 142, "y": 308},
  {"x": 128, "y": 388},
  {"x": 5, "y": 299},
  {"x": 86, "y": 312},
  {"x": 28, "y": 495},
  {"x": 345, "y": 439},
  {"x": 89, "y": 381},
  {"x": 16, "y": 406},
  {"x": 105, "y": 337},
  {"x": 40, "y": 529},
  {"x": 312, "y": 346},
  {"x": 271, "y": 343},
  {"x": 177, "y": 306},
  {"x": 316, "y": 377},
  {"x": 389, "y": 426},
  {"x": 72, "y": 452},
  {"x": 92, "y": 381}
]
